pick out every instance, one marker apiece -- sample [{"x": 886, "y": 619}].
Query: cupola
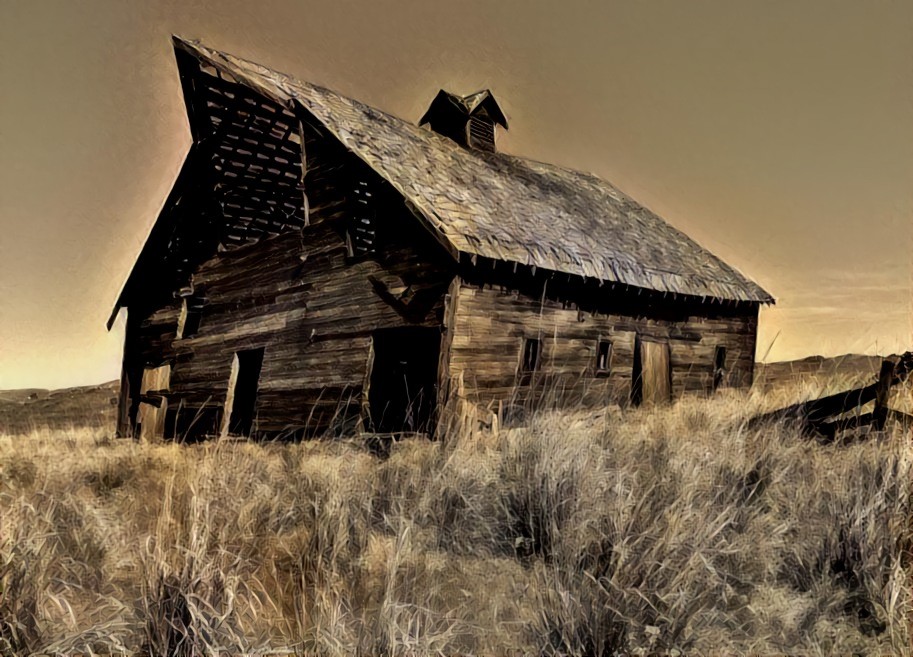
[{"x": 468, "y": 120}]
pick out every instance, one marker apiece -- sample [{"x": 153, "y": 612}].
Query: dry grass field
[
  {"x": 23, "y": 410},
  {"x": 635, "y": 532}
]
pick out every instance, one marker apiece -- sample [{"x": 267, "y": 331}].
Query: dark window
[
  {"x": 191, "y": 315},
  {"x": 719, "y": 366},
  {"x": 603, "y": 358},
  {"x": 531, "y": 352}
]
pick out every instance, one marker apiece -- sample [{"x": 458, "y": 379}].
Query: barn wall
[
  {"x": 314, "y": 318},
  {"x": 311, "y": 307},
  {"x": 271, "y": 231},
  {"x": 490, "y": 322}
]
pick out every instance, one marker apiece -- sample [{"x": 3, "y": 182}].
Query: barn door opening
[
  {"x": 402, "y": 392},
  {"x": 241, "y": 400},
  {"x": 652, "y": 373}
]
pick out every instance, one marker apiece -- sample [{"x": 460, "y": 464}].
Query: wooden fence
[{"x": 823, "y": 416}]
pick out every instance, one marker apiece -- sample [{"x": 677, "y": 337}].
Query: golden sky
[{"x": 777, "y": 133}]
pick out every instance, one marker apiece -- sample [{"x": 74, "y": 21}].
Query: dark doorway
[
  {"x": 241, "y": 401},
  {"x": 719, "y": 367},
  {"x": 530, "y": 360},
  {"x": 637, "y": 375},
  {"x": 532, "y": 349},
  {"x": 603, "y": 358},
  {"x": 403, "y": 388}
]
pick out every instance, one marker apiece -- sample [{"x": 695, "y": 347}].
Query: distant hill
[
  {"x": 822, "y": 376},
  {"x": 849, "y": 366},
  {"x": 23, "y": 410}
]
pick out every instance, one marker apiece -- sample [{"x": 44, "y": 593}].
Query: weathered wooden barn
[{"x": 322, "y": 265}]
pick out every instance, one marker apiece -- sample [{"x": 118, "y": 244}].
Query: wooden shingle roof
[{"x": 504, "y": 207}]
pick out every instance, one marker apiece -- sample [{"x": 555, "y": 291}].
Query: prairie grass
[{"x": 671, "y": 531}]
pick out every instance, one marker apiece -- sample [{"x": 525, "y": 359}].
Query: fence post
[{"x": 882, "y": 392}]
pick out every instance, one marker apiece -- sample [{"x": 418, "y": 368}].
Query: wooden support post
[
  {"x": 365, "y": 423},
  {"x": 882, "y": 392},
  {"x": 124, "y": 425}
]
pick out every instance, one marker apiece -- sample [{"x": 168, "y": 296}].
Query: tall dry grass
[{"x": 582, "y": 534}]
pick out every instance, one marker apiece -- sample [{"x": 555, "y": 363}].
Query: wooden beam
[
  {"x": 153, "y": 399},
  {"x": 819, "y": 410}
]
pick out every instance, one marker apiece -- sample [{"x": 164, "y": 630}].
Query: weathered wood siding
[
  {"x": 299, "y": 294},
  {"x": 489, "y": 324},
  {"x": 148, "y": 343},
  {"x": 313, "y": 310}
]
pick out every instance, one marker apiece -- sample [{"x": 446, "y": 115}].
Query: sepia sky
[{"x": 778, "y": 134}]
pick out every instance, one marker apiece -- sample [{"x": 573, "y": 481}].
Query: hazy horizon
[{"x": 778, "y": 135}]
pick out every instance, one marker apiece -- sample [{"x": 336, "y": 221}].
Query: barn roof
[
  {"x": 501, "y": 206},
  {"x": 505, "y": 207}
]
